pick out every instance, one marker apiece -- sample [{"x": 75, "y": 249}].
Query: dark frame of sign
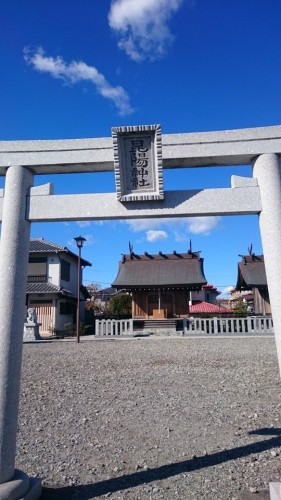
[{"x": 138, "y": 163}]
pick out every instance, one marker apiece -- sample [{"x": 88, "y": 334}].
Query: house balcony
[{"x": 37, "y": 278}]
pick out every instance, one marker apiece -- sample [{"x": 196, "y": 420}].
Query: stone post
[
  {"x": 267, "y": 170},
  {"x": 14, "y": 251}
]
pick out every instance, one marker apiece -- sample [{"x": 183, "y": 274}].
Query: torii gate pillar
[
  {"x": 267, "y": 170},
  {"x": 14, "y": 250}
]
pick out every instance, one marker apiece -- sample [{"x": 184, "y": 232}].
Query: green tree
[
  {"x": 120, "y": 305},
  {"x": 240, "y": 308},
  {"x": 94, "y": 304}
]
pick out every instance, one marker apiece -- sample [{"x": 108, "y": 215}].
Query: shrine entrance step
[{"x": 159, "y": 326}]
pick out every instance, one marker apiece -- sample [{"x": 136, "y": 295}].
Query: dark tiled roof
[
  {"x": 107, "y": 293},
  {"x": 45, "y": 288},
  {"x": 170, "y": 270},
  {"x": 211, "y": 287},
  {"x": 251, "y": 272},
  {"x": 39, "y": 245}
]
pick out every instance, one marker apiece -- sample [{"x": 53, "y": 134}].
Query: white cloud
[
  {"x": 83, "y": 223},
  {"x": 143, "y": 26},
  {"x": 180, "y": 236},
  {"x": 181, "y": 227},
  {"x": 77, "y": 71},
  {"x": 153, "y": 235},
  {"x": 227, "y": 290},
  {"x": 202, "y": 225},
  {"x": 138, "y": 225},
  {"x": 90, "y": 240}
]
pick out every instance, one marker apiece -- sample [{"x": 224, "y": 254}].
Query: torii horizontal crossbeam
[
  {"x": 105, "y": 206},
  {"x": 228, "y": 147}
]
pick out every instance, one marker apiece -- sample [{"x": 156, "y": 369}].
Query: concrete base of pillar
[
  {"x": 275, "y": 490},
  {"x": 35, "y": 490},
  {"x": 21, "y": 487}
]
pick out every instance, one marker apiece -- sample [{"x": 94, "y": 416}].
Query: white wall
[{"x": 53, "y": 270}]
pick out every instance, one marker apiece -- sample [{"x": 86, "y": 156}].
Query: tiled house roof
[
  {"x": 107, "y": 293},
  {"x": 39, "y": 245},
  {"x": 161, "y": 270},
  {"x": 251, "y": 272},
  {"x": 46, "y": 288},
  {"x": 211, "y": 288}
]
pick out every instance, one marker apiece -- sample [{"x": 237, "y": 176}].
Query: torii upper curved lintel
[{"x": 221, "y": 148}]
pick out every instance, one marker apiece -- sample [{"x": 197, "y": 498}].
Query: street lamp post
[{"x": 79, "y": 242}]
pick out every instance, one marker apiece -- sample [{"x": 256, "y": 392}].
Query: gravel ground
[{"x": 173, "y": 418}]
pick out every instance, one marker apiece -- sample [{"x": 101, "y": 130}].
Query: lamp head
[{"x": 79, "y": 241}]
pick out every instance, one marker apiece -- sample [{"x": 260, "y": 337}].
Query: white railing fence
[
  {"x": 114, "y": 327},
  {"x": 216, "y": 326},
  {"x": 248, "y": 325}
]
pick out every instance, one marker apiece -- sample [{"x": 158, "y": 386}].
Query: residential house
[
  {"x": 52, "y": 285},
  {"x": 208, "y": 293},
  {"x": 99, "y": 298},
  {"x": 204, "y": 302}
]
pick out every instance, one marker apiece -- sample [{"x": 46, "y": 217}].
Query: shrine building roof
[
  {"x": 176, "y": 270},
  {"x": 251, "y": 272}
]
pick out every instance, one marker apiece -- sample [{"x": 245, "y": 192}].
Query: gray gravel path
[{"x": 186, "y": 418}]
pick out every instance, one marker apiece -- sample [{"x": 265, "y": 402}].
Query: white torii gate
[{"x": 21, "y": 204}]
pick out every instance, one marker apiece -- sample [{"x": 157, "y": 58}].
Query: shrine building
[
  {"x": 160, "y": 284},
  {"x": 252, "y": 276}
]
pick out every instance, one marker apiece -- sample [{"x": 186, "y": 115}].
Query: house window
[
  {"x": 67, "y": 308},
  {"x": 65, "y": 270},
  {"x": 37, "y": 260},
  {"x": 37, "y": 270},
  {"x": 40, "y": 302}
]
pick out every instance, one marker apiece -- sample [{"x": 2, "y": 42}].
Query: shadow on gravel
[{"x": 89, "y": 491}]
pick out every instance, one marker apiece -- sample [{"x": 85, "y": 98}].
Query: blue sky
[{"x": 76, "y": 69}]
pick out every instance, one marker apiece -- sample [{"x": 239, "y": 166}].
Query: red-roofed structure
[{"x": 208, "y": 308}]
